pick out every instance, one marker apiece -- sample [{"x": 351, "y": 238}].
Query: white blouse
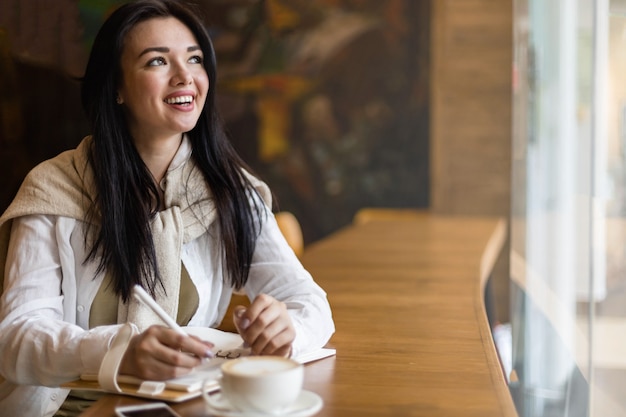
[{"x": 49, "y": 289}]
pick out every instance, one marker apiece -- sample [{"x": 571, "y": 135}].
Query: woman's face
[{"x": 164, "y": 83}]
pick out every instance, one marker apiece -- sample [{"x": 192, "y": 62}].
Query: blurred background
[{"x": 327, "y": 100}]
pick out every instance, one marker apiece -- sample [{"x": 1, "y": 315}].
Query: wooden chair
[{"x": 290, "y": 228}]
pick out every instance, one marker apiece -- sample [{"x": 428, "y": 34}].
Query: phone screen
[
  {"x": 163, "y": 411},
  {"x": 148, "y": 413}
]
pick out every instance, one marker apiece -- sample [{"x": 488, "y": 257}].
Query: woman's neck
[{"x": 158, "y": 154}]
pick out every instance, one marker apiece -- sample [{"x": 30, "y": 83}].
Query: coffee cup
[{"x": 265, "y": 384}]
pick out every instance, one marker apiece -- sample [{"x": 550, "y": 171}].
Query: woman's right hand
[{"x": 160, "y": 353}]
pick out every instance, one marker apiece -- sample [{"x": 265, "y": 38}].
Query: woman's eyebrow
[
  {"x": 164, "y": 49},
  {"x": 161, "y": 49}
]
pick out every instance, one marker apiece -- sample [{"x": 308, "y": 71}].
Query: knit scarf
[{"x": 63, "y": 186}]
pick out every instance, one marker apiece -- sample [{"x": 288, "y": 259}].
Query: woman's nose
[{"x": 182, "y": 76}]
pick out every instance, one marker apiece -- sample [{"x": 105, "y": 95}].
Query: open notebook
[{"x": 227, "y": 346}]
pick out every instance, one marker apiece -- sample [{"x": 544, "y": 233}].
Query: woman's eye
[
  {"x": 196, "y": 59},
  {"x": 156, "y": 61}
]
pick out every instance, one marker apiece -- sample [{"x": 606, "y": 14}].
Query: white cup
[{"x": 266, "y": 384}]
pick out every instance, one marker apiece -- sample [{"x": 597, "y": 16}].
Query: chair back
[{"x": 290, "y": 228}]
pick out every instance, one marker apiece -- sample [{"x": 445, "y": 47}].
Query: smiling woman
[{"x": 155, "y": 197}]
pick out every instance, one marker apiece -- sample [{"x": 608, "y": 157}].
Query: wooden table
[{"x": 412, "y": 334}]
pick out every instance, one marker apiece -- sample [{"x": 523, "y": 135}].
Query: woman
[{"x": 155, "y": 197}]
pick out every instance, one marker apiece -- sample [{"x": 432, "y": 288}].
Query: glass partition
[{"x": 568, "y": 226}]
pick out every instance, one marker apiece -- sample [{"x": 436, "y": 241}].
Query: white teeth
[{"x": 179, "y": 100}]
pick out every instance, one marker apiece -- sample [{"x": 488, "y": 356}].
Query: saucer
[{"x": 307, "y": 404}]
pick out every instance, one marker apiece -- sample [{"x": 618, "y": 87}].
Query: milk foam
[{"x": 261, "y": 367}]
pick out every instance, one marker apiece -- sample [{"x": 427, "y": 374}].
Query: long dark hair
[{"x": 127, "y": 197}]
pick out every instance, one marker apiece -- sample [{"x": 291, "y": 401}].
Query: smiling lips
[{"x": 183, "y": 100}]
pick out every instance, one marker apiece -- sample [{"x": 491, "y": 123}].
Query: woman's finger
[
  {"x": 160, "y": 353},
  {"x": 266, "y": 326},
  {"x": 276, "y": 339}
]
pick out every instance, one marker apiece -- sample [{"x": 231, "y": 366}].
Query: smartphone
[{"x": 146, "y": 410}]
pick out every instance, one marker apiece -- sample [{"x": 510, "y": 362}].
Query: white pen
[{"x": 141, "y": 295}]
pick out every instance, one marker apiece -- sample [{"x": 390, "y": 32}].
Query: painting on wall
[{"x": 327, "y": 100}]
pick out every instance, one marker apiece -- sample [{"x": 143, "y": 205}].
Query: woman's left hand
[{"x": 265, "y": 326}]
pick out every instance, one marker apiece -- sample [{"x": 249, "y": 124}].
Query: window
[{"x": 568, "y": 220}]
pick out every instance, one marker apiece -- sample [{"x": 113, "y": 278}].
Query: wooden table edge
[{"x": 492, "y": 251}]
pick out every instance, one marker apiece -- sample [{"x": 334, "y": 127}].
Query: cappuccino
[{"x": 267, "y": 384}]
